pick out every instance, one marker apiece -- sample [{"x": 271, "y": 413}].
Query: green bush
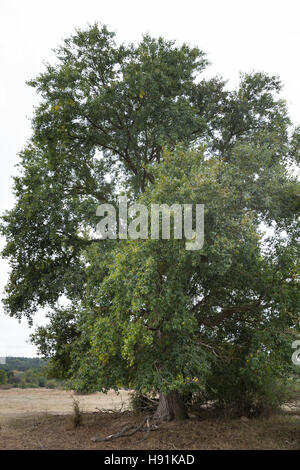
[
  {"x": 15, "y": 380},
  {"x": 3, "y": 377},
  {"x": 31, "y": 385},
  {"x": 51, "y": 384},
  {"x": 235, "y": 391},
  {"x": 42, "y": 381}
]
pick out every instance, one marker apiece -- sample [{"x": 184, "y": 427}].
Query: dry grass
[
  {"x": 58, "y": 432},
  {"x": 27, "y": 425},
  {"x": 19, "y": 403}
]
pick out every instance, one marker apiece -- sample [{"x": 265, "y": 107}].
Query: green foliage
[
  {"x": 42, "y": 381},
  {"x": 105, "y": 112},
  {"x": 3, "y": 377},
  {"x": 249, "y": 384},
  {"x": 51, "y": 384},
  {"x": 148, "y": 314},
  {"x": 23, "y": 363},
  {"x": 23, "y": 372},
  {"x": 165, "y": 313}
]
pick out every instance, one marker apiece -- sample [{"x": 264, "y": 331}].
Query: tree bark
[{"x": 170, "y": 407}]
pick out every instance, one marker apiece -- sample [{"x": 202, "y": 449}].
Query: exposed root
[{"x": 147, "y": 433}]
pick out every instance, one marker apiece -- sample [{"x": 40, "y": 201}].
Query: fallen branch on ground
[
  {"x": 125, "y": 432},
  {"x": 131, "y": 430}
]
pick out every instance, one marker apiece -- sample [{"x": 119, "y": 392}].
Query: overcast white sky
[{"x": 238, "y": 35}]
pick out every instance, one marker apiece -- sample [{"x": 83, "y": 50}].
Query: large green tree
[
  {"x": 150, "y": 314},
  {"x": 160, "y": 317}
]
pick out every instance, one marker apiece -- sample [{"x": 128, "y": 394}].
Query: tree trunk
[{"x": 170, "y": 407}]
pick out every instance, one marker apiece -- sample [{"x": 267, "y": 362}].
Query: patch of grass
[{"x": 281, "y": 431}]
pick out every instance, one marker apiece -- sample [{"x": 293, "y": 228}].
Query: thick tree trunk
[{"x": 170, "y": 407}]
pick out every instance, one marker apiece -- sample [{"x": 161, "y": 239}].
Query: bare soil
[{"x": 42, "y": 419}]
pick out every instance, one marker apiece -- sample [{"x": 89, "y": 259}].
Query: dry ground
[
  {"x": 42, "y": 419},
  {"x": 20, "y": 403}
]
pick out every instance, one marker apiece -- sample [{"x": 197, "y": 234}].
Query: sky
[{"x": 238, "y": 36}]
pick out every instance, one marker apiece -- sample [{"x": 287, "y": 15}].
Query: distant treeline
[
  {"x": 25, "y": 372},
  {"x": 23, "y": 363}
]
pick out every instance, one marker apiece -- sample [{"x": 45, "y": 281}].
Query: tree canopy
[{"x": 148, "y": 314}]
